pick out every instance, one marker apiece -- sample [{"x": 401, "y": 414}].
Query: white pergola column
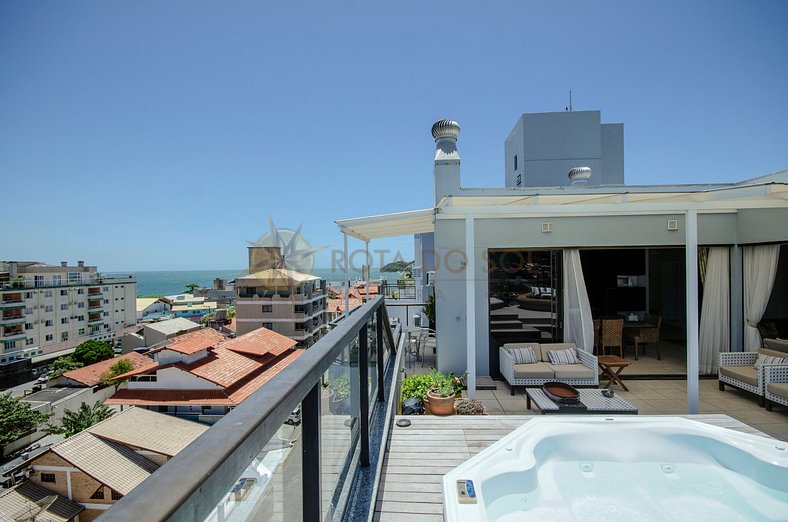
[
  {"x": 347, "y": 279},
  {"x": 470, "y": 303},
  {"x": 737, "y": 304},
  {"x": 369, "y": 268},
  {"x": 691, "y": 254}
]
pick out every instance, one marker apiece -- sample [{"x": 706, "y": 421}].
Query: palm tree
[
  {"x": 190, "y": 288},
  {"x": 86, "y": 416}
]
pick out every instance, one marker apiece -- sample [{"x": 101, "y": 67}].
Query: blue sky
[{"x": 163, "y": 135}]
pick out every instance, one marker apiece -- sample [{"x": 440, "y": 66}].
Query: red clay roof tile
[{"x": 91, "y": 375}]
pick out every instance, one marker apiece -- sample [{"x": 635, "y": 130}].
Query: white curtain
[
  {"x": 715, "y": 327},
  {"x": 760, "y": 267},
  {"x": 578, "y": 324}
]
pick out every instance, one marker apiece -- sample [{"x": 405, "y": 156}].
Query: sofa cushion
[
  {"x": 573, "y": 371},
  {"x": 533, "y": 346},
  {"x": 538, "y": 370},
  {"x": 769, "y": 359},
  {"x": 746, "y": 374},
  {"x": 772, "y": 353},
  {"x": 522, "y": 355},
  {"x": 547, "y": 347},
  {"x": 779, "y": 345},
  {"x": 559, "y": 357},
  {"x": 778, "y": 388}
]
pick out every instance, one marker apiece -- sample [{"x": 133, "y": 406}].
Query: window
[
  {"x": 105, "y": 289},
  {"x": 64, "y": 306},
  {"x": 519, "y": 179},
  {"x": 29, "y": 341},
  {"x": 48, "y": 308},
  {"x": 28, "y": 311},
  {"x": 116, "y": 496},
  {"x": 80, "y": 291},
  {"x": 63, "y": 292},
  {"x": 515, "y": 162},
  {"x": 73, "y": 277},
  {"x": 39, "y": 281},
  {"x": 28, "y": 295},
  {"x": 81, "y": 330},
  {"x": 28, "y": 326},
  {"x": 99, "y": 494},
  {"x": 47, "y": 293},
  {"x": 80, "y": 318},
  {"x": 48, "y": 477},
  {"x": 80, "y": 305},
  {"x": 268, "y": 325},
  {"x": 48, "y": 322},
  {"x": 64, "y": 336},
  {"x": 149, "y": 377},
  {"x": 268, "y": 308},
  {"x": 64, "y": 320},
  {"x": 49, "y": 337}
]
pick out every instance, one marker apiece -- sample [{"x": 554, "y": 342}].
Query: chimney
[
  {"x": 263, "y": 258},
  {"x": 447, "y": 158},
  {"x": 579, "y": 175},
  {"x": 81, "y": 263},
  {"x": 64, "y": 264},
  {"x": 218, "y": 284}
]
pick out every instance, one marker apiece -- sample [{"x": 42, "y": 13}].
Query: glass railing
[{"x": 292, "y": 450}]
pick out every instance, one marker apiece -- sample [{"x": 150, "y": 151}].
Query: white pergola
[{"x": 474, "y": 204}]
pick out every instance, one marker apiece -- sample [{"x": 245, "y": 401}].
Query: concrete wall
[
  {"x": 174, "y": 379},
  {"x": 613, "y": 153}
]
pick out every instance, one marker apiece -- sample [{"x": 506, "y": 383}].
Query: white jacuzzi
[{"x": 621, "y": 469}]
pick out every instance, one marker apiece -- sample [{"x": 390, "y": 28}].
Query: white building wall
[{"x": 174, "y": 379}]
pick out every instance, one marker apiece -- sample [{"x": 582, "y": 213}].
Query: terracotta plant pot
[{"x": 439, "y": 405}]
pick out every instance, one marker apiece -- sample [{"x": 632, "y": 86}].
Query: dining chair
[{"x": 612, "y": 336}]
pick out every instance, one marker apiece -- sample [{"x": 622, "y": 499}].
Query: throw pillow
[
  {"x": 562, "y": 356},
  {"x": 769, "y": 359},
  {"x": 523, "y": 355}
]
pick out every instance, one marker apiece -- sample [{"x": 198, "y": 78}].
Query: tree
[
  {"x": 92, "y": 351},
  {"x": 75, "y": 421},
  {"x": 230, "y": 312},
  {"x": 64, "y": 364},
  {"x": 17, "y": 418},
  {"x": 119, "y": 368},
  {"x": 190, "y": 288}
]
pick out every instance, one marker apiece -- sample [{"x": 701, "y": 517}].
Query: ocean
[{"x": 174, "y": 282}]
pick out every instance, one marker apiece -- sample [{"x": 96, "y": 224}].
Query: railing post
[
  {"x": 380, "y": 350},
  {"x": 310, "y": 460},
  {"x": 363, "y": 379}
]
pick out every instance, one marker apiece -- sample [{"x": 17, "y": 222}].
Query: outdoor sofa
[
  {"x": 775, "y": 385},
  {"x": 584, "y": 373},
  {"x": 738, "y": 369}
]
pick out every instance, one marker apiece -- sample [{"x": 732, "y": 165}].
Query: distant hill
[{"x": 397, "y": 266}]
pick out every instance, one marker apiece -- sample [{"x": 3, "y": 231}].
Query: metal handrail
[{"x": 190, "y": 485}]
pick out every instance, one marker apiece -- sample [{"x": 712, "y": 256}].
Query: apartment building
[
  {"x": 285, "y": 301},
  {"x": 46, "y": 310},
  {"x": 189, "y": 306}
]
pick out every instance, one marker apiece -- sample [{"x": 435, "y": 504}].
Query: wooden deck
[{"x": 419, "y": 455}]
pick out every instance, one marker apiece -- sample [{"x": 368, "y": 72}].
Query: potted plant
[
  {"x": 469, "y": 407},
  {"x": 339, "y": 395},
  {"x": 429, "y": 310},
  {"x": 441, "y": 399}
]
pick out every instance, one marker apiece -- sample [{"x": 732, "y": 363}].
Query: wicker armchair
[
  {"x": 775, "y": 385},
  {"x": 647, "y": 335},
  {"x": 612, "y": 336}
]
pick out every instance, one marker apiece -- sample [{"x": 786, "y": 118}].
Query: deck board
[{"x": 418, "y": 456}]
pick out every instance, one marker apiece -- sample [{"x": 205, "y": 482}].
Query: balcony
[
  {"x": 11, "y": 320},
  {"x": 94, "y": 304},
  {"x": 94, "y": 293},
  {"x": 95, "y": 319},
  {"x": 10, "y": 333},
  {"x": 11, "y": 299},
  {"x": 318, "y": 468},
  {"x": 98, "y": 279}
]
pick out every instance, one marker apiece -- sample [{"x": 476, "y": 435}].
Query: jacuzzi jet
[
  {"x": 509, "y": 448},
  {"x": 780, "y": 448},
  {"x": 668, "y": 468},
  {"x": 586, "y": 467}
]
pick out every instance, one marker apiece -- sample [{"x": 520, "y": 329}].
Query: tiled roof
[
  {"x": 18, "y": 503},
  {"x": 230, "y": 396},
  {"x": 195, "y": 341},
  {"x": 112, "y": 464},
  {"x": 144, "y": 302},
  {"x": 141, "y": 428},
  {"x": 221, "y": 367},
  {"x": 338, "y": 305},
  {"x": 240, "y": 392},
  {"x": 260, "y": 342},
  {"x": 170, "y": 398},
  {"x": 280, "y": 275},
  {"x": 91, "y": 375}
]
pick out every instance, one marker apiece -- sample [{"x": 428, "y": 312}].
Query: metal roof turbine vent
[
  {"x": 445, "y": 129},
  {"x": 580, "y": 175}
]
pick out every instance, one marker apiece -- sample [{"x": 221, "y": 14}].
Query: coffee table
[
  {"x": 613, "y": 365},
  {"x": 594, "y": 401}
]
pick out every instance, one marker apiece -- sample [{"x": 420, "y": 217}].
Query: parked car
[
  {"x": 295, "y": 417},
  {"x": 43, "y": 379}
]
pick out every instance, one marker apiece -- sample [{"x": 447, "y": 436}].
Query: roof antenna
[{"x": 569, "y": 109}]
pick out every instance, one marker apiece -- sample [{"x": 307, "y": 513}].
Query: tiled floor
[{"x": 660, "y": 397}]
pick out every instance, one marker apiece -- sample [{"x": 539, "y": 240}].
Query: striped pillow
[
  {"x": 769, "y": 359},
  {"x": 562, "y": 356},
  {"x": 522, "y": 355}
]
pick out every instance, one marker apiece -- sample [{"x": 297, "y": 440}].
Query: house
[
  {"x": 91, "y": 375},
  {"x": 154, "y": 333},
  {"x": 47, "y": 310},
  {"x": 93, "y": 469},
  {"x": 152, "y": 309},
  {"x": 189, "y": 306},
  {"x": 30, "y": 501},
  {"x": 553, "y": 258},
  {"x": 202, "y": 374}
]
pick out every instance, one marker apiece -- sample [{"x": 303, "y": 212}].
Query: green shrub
[{"x": 416, "y": 386}]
